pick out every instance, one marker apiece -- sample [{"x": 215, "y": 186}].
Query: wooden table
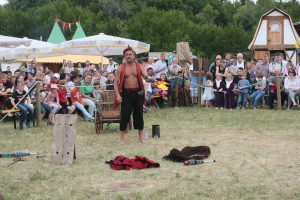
[{"x": 3, "y": 101}]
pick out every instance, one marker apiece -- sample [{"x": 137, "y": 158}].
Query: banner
[{"x": 66, "y": 25}]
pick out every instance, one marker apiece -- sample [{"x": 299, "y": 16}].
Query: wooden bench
[{"x": 14, "y": 112}]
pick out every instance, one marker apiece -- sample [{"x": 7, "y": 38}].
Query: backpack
[{"x": 139, "y": 162}]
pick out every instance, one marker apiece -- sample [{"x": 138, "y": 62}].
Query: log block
[{"x": 63, "y": 143}]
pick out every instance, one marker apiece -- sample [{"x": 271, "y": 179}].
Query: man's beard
[{"x": 129, "y": 60}]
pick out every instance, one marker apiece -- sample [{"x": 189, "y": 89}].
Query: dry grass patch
[{"x": 256, "y": 153}]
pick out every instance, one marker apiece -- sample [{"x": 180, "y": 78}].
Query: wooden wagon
[{"x": 106, "y": 113}]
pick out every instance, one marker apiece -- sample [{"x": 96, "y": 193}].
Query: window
[{"x": 275, "y": 27}]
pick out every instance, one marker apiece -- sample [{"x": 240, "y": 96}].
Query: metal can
[{"x": 145, "y": 135}]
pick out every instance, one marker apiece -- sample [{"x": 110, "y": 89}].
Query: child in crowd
[
  {"x": 288, "y": 67},
  {"x": 162, "y": 85},
  {"x": 26, "y": 110},
  {"x": 52, "y": 100},
  {"x": 77, "y": 101},
  {"x": 193, "y": 78},
  {"x": 208, "y": 95},
  {"x": 229, "y": 94},
  {"x": 70, "y": 86},
  {"x": 251, "y": 89},
  {"x": 97, "y": 89},
  {"x": 260, "y": 91},
  {"x": 243, "y": 85},
  {"x": 62, "y": 95},
  {"x": 233, "y": 68},
  {"x": 218, "y": 87}
]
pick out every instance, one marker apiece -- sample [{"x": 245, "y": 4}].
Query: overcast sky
[{"x": 2, "y": 2}]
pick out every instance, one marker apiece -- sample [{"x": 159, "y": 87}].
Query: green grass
[{"x": 256, "y": 153}]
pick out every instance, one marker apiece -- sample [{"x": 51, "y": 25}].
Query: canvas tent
[
  {"x": 56, "y": 35},
  {"x": 275, "y": 33}
]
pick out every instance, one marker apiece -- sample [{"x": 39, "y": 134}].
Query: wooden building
[{"x": 275, "y": 33}]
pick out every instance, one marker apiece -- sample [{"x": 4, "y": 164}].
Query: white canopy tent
[
  {"x": 11, "y": 42},
  {"x": 37, "y": 49},
  {"x": 103, "y": 45}
]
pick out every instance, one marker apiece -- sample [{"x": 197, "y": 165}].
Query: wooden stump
[{"x": 63, "y": 143}]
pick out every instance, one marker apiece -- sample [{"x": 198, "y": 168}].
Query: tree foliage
[{"x": 210, "y": 26}]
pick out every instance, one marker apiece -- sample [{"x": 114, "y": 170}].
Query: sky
[{"x": 2, "y": 2}]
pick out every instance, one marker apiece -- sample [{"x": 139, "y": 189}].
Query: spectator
[
  {"x": 16, "y": 73},
  {"x": 218, "y": 87},
  {"x": 48, "y": 77},
  {"x": 218, "y": 57},
  {"x": 52, "y": 100},
  {"x": 233, "y": 68},
  {"x": 243, "y": 91},
  {"x": 111, "y": 67},
  {"x": 87, "y": 67},
  {"x": 208, "y": 95},
  {"x": 55, "y": 80},
  {"x": 97, "y": 77},
  {"x": 7, "y": 85},
  {"x": 174, "y": 68},
  {"x": 227, "y": 60},
  {"x": 78, "y": 102},
  {"x": 30, "y": 79},
  {"x": 97, "y": 89},
  {"x": 161, "y": 89},
  {"x": 38, "y": 71},
  {"x": 79, "y": 65},
  {"x": 252, "y": 83},
  {"x": 229, "y": 101},
  {"x": 160, "y": 66},
  {"x": 19, "y": 78},
  {"x": 249, "y": 70},
  {"x": 291, "y": 88},
  {"x": 214, "y": 68},
  {"x": 62, "y": 96},
  {"x": 44, "y": 108},
  {"x": 260, "y": 91},
  {"x": 64, "y": 76},
  {"x": 222, "y": 69},
  {"x": 110, "y": 81},
  {"x": 171, "y": 58},
  {"x": 193, "y": 78},
  {"x": 240, "y": 61},
  {"x": 26, "y": 110},
  {"x": 150, "y": 63},
  {"x": 69, "y": 67},
  {"x": 87, "y": 92},
  {"x": 70, "y": 86},
  {"x": 104, "y": 74}
]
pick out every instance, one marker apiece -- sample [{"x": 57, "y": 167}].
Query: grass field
[{"x": 257, "y": 154}]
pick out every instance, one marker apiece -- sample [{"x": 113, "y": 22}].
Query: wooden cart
[{"x": 105, "y": 112}]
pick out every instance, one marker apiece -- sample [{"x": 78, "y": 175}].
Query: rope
[{"x": 224, "y": 91}]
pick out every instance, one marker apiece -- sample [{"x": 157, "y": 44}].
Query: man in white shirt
[
  {"x": 283, "y": 62},
  {"x": 160, "y": 66},
  {"x": 111, "y": 67},
  {"x": 69, "y": 67},
  {"x": 240, "y": 62}
]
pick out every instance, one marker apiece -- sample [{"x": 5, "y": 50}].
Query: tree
[
  {"x": 25, "y": 4},
  {"x": 208, "y": 14},
  {"x": 161, "y": 29}
]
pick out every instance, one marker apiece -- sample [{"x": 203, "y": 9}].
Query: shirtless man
[{"x": 129, "y": 92}]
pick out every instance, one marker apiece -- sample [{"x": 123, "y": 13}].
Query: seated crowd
[
  {"x": 229, "y": 84},
  {"x": 71, "y": 90}
]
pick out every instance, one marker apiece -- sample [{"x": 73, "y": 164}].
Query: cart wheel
[{"x": 98, "y": 124}]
